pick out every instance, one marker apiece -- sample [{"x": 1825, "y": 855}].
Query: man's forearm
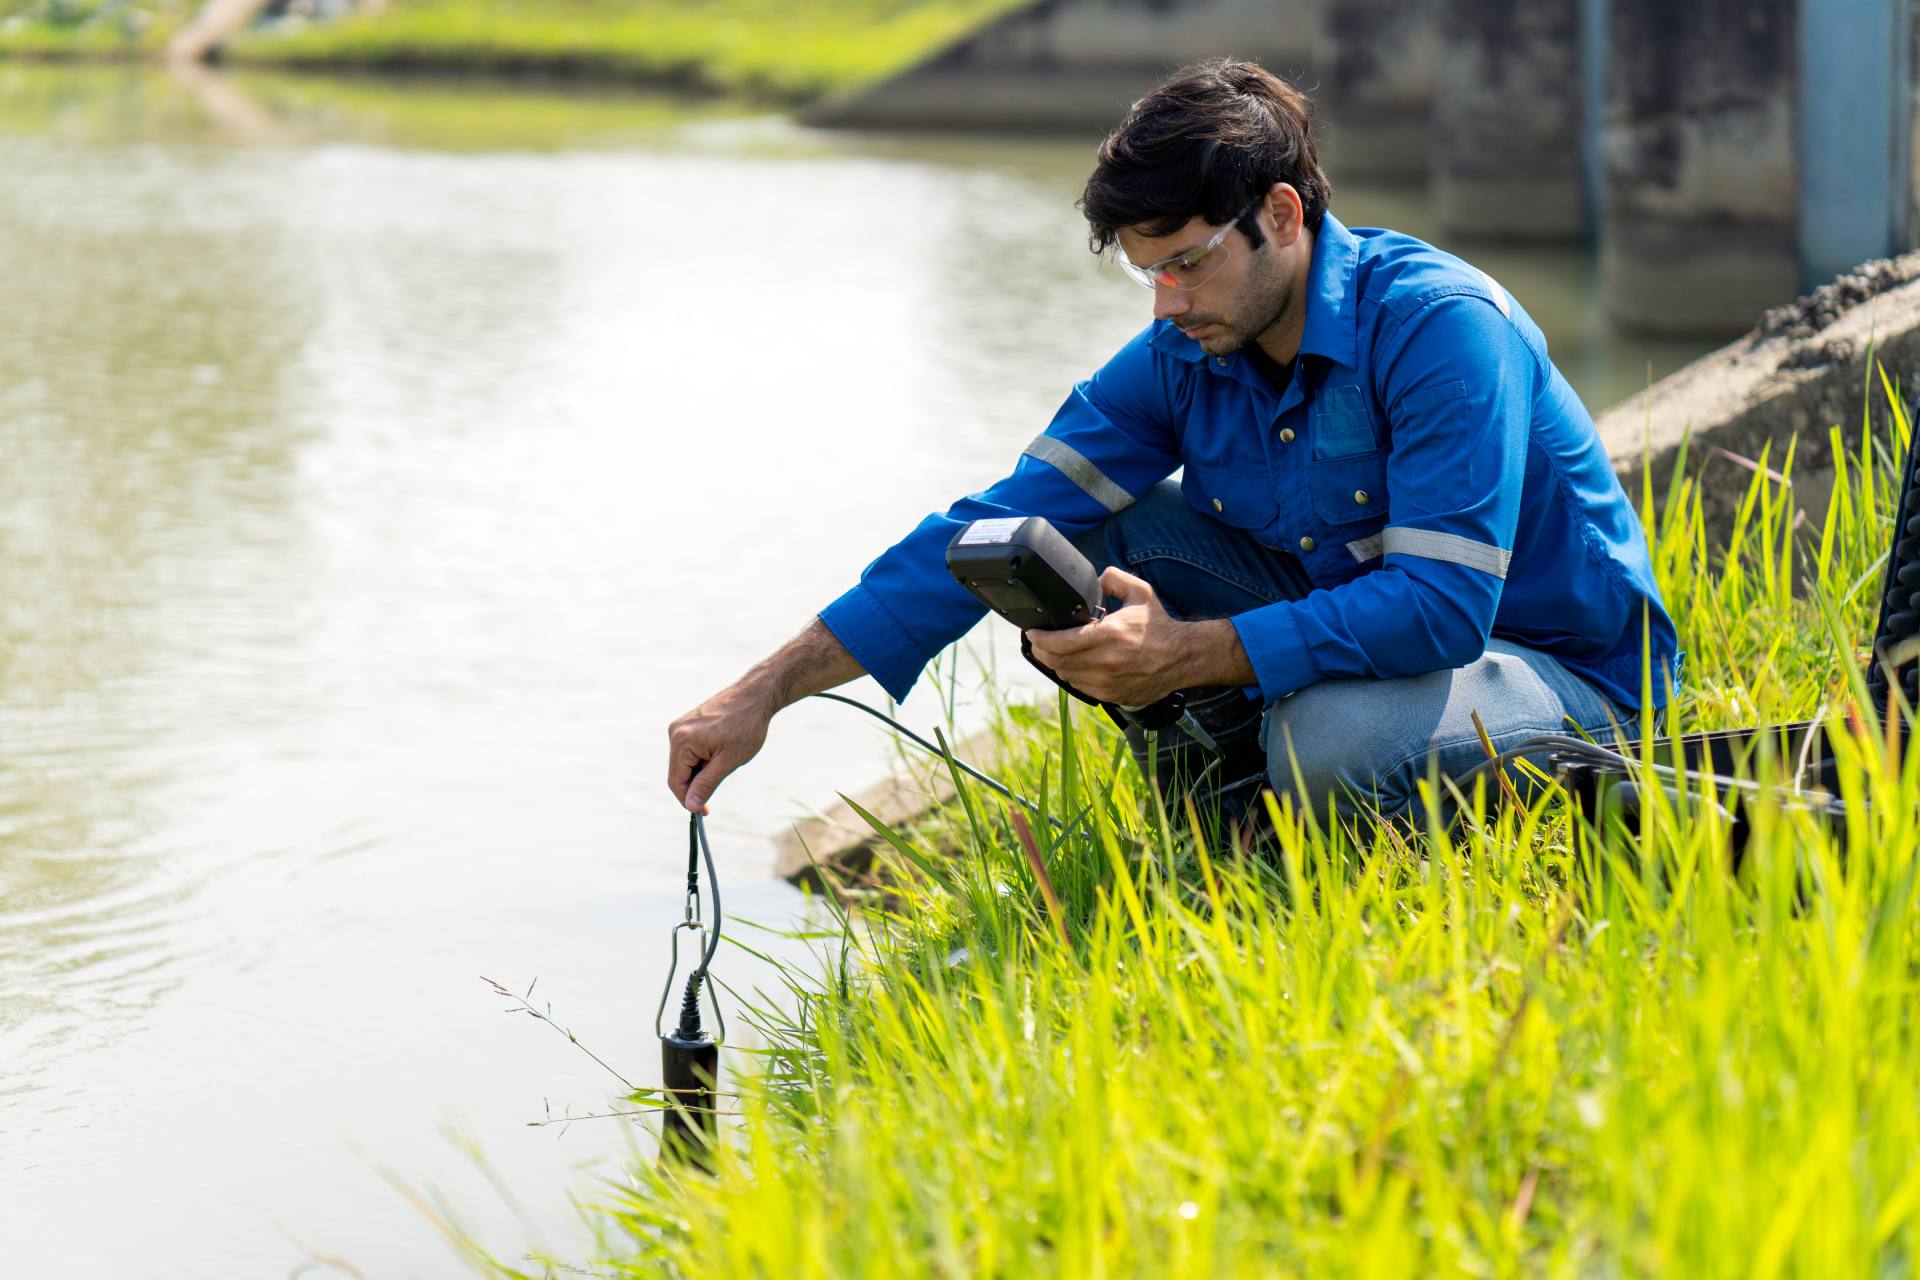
[
  {"x": 1213, "y": 655},
  {"x": 811, "y": 662},
  {"x": 728, "y": 729}
]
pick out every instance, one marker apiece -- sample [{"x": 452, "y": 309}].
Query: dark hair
[{"x": 1206, "y": 143}]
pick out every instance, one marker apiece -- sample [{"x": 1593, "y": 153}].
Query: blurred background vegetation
[{"x": 769, "y": 49}]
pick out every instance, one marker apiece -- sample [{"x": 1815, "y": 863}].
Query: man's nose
[{"x": 1169, "y": 302}]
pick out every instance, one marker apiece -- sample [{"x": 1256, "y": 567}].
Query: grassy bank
[
  {"x": 785, "y": 52},
  {"x": 1527, "y": 1047}
]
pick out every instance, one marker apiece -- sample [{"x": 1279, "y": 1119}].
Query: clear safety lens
[{"x": 1188, "y": 271}]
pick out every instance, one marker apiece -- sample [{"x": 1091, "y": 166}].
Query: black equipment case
[{"x": 1802, "y": 747}]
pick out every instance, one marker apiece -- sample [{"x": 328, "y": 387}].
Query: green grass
[
  {"x": 787, "y": 52},
  {"x": 1526, "y": 1047}
]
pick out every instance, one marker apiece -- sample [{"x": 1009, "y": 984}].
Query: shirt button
[
  {"x": 1286, "y": 435},
  {"x": 1221, "y": 361},
  {"x": 1217, "y": 506},
  {"x": 1360, "y": 496},
  {"x": 1306, "y": 544}
]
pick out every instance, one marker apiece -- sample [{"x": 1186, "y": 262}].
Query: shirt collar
[{"x": 1332, "y": 326}]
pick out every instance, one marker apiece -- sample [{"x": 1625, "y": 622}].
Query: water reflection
[
  {"x": 199, "y": 106},
  {"x": 146, "y": 349}
]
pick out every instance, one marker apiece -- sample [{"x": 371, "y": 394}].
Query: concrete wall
[
  {"x": 1724, "y": 155},
  {"x": 1076, "y": 65},
  {"x": 1373, "y": 90},
  {"x": 1754, "y": 151},
  {"x": 1510, "y": 119},
  {"x": 1701, "y": 227}
]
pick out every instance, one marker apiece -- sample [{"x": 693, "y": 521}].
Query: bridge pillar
[
  {"x": 1699, "y": 232},
  {"x": 1856, "y": 130},
  {"x": 1510, "y": 121},
  {"x": 1375, "y": 71},
  {"x": 1753, "y": 151}
]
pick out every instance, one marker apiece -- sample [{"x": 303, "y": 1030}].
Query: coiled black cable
[
  {"x": 1597, "y": 754},
  {"x": 1526, "y": 747},
  {"x": 933, "y": 748},
  {"x": 698, "y": 848},
  {"x": 699, "y": 833}
]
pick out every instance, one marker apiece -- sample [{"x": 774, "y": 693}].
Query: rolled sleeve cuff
[
  {"x": 1276, "y": 650},
  {"x": 876, "y": 640}
]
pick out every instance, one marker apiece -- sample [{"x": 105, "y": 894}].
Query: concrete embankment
[
  {"x": 1805, "y": 368},
  {"x": 841, "y": 839},
  {"x": 1068, "y": 65}
]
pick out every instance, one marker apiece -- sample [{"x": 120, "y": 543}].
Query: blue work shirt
[{"x": 1429, "y": 466}]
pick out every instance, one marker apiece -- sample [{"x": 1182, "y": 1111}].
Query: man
[{"x": 1394, "y": 512}]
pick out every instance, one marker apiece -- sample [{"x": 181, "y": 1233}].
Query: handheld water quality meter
[{"x": 1025, "y": 570}]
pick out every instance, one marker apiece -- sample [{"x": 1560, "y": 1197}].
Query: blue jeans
[{"x": 1361, "y": 744}]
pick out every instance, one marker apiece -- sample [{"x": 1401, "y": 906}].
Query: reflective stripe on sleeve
[
  {"x": 1499, "y": 295},
  {"x": 1073, "y": 464},
  {"x": 1450, "y": 547},
  {"x": 1368, "y": 548}
]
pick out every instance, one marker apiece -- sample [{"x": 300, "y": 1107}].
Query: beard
[
  {"x": 1224, "y": 340},
  {"x": 1264, "y": 302}
]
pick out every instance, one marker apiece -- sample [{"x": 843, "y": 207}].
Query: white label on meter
[{"x": 986, "y": 532}]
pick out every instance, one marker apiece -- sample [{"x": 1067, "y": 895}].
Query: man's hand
[
  {"x": 1139, "y": 653},
  {"x": 728, "y": 729},
  {"x": 714, "y": 739}
]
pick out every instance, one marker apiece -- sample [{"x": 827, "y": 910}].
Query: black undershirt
[{"x": 1276, "y": 375}]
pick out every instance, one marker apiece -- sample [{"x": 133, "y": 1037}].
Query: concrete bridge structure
[{"x": 1723, "y": 155}]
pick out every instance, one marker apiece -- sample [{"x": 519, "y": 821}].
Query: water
[{"x": 385, "y": 466}]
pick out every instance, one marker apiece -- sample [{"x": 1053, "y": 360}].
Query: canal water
[{"x": 385, "y": 465}]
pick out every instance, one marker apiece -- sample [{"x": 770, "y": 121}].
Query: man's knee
[
  {"x": 1107, "y": 543},
  {"x": 1335, "y": 741}
]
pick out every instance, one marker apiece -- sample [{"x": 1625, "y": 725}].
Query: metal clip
[{"x": 673, "y": 970}]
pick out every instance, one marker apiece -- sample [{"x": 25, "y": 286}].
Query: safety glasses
[{"x": 1193, "y": 268}]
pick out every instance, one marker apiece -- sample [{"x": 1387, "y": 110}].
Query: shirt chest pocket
[
  {"x": 1349, "y": 490},
  {"x": 1242, "y": 496},
  {"x": 1342, "y": 423},
  {"x": 1347, "y": 474}
]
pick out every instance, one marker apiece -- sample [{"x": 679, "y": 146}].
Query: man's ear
[{"x": 1284, "y": 208}]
